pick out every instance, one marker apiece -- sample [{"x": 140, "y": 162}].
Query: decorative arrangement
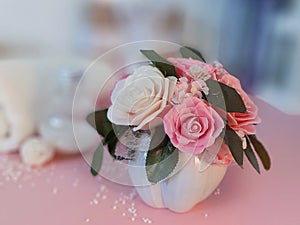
[{"x": 179, "y": 123}]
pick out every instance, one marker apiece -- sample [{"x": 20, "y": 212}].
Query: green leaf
[
  {"x": 225, "y": 97},
  {"x": 112, "y": 140},
  {"x": 161, "y": 162},
  {"x": 99, "y": 121},
  {"x": 261, "y": 152},
  {"x": 112, "y": 144},
  {"x": 167, "y": 68},
  {"x": 251, "y": 156},
  {"x": 188, "y": 52},
  {"x": 159, "y": 139},
  {"x": 110, "y": 137},
  {"x": 97, "y": 160},
  {"x": 235, "y": 145}
]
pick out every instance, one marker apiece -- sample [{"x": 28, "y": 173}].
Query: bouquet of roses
[{"x": 196, "y": 104}]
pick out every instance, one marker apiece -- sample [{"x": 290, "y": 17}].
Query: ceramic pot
[{"x": 183, "y": 189}]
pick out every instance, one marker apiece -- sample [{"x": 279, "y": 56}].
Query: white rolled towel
[
  {"x": 17, "y": 95},
  {"x": 24, "y": 88}
]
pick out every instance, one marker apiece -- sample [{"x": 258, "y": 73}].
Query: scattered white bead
[
  {"x": 217, "y": 192},
  {"x": 36, "y": 152},
  {"x": 75, "y": 183},
  {"x": 146, "y": 220},
  {"x": 95, "y": 201},
  {"x": 102, "y": 188},
  {"x": 55, "y": 190}
]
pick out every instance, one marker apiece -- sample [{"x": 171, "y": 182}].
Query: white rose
[{"x": 141, "y": 97}]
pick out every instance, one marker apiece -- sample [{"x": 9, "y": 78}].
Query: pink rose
[
  {"x": 241, "y": 121},
  {"x": 185, "y": 67},
  {"x": 192, "y": 125}
]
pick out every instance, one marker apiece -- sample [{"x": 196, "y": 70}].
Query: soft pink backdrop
[{"x": 64, "y": 192}]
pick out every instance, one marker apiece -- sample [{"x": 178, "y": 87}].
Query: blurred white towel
[
  {"x": 25, "y": 87},
  {"x": 18, "y": 85}
]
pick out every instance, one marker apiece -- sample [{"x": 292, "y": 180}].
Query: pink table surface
[{"x": 64, "y": 192}]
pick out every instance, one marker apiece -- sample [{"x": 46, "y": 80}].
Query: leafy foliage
[
  {"x": 261, "y": 151},
  {"x": 235, "y": 145},
  {"x": 251, "y": 156},
  {"x": 161, "y": 162},
  {"x": 97, "y": 160},
  {"x": 167, "y": 68},
  {"x": 99, "y": 121},
  {"x": 225, "y": 97},
  {"x": 104, "y": 127},
  {"x": 188, "y": 52}
]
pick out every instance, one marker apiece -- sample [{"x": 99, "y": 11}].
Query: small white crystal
[
  {"x": 55, "y": 190},
  {"x": 36, "y": 152}
]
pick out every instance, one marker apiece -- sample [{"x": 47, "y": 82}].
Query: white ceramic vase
[{"x": 183, "y": 189}]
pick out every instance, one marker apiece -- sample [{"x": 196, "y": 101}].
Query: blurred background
[{"x": 257, "y": 41}]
